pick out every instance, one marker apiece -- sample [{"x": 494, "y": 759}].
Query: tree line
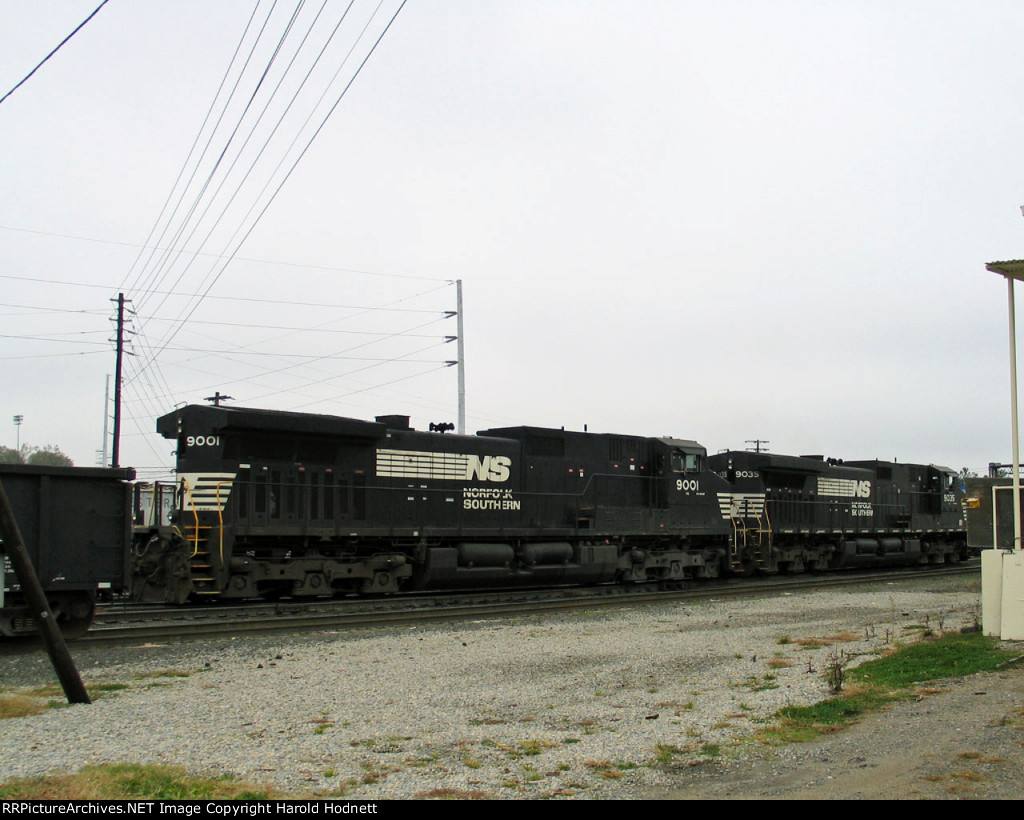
[{"x": 48, "y": 456}]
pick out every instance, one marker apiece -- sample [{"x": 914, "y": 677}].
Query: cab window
[{"x": 685, "y": 462}]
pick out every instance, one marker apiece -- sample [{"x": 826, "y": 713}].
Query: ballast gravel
[{"x": 601, "y": 704}]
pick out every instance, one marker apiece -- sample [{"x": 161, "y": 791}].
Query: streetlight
[{"x": 17, "y": 429}]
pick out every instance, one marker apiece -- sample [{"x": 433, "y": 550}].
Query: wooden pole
[{"x": 56, "y": 646}]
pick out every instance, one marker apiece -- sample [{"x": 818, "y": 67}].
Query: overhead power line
[
  {"x": 331, "y": 306},
  {"x": 59, "y": 45},
  {"x": 325, "y": 268},
  {"x": 255, "y": 213}
]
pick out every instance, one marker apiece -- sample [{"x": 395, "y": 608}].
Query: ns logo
[{"x": 488, "y": 468}]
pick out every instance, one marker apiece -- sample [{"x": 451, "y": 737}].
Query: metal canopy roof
[{"x": 1013, "y": 268}]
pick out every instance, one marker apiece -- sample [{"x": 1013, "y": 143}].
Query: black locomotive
[
  {"x": 805, "y": 513},
  {"x": 274, "y": 503}
]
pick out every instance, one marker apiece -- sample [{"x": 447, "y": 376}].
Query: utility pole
[
  {"x": 759, "y": 445},
  {"x": 462, "y": 358},
  {"x": 218, "y": 397},
  {"x": 116, "y": 446},
  {"x": 106, "y": 419}
]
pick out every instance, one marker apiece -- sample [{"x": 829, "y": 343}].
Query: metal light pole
[
  {"x": 1011, "y": 271},
  {"x": 17, "y": 429}
]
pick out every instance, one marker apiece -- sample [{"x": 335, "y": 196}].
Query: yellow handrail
[
  {"x": 220, "y": 520},
  {"x": 195, "y": 515}
]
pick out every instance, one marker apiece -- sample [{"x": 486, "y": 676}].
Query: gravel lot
[{"x": 654, "y": 702}]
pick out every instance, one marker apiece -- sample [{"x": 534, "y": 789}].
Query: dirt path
[{"x": 963, "y": 740}]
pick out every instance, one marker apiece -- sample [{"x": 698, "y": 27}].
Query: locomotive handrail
[
  {"x": 195, "y": 515},
  {"x": 220, "y": 519},
  {"x": 768, "y": 520}
]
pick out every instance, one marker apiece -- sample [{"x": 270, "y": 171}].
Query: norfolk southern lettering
[{"x": 484, "y": 498}]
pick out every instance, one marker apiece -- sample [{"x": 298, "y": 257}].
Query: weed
[
  {"x": 452, "y": 794},
  {"x": 108, "y": 687},
  {"x": 835, "y": 670},
  {"x": 980, "y": 757},
  {"x": 664, "y": 753},
  {"x": 761, "y": 684},
  {"x": 975, "y": 777},
  {"x": 163, "y": 673},
  {"x": 679, "y": 707},
  {"x": 322, "y": 724},
  {"x": 534, "y": 747}
]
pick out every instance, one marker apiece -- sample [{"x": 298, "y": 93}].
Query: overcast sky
[{"x": 714, "y": 220}]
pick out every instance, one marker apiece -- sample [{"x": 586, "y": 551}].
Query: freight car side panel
[{"x": 75, "y": 523}]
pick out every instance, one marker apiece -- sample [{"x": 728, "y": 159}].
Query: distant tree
[
  {"x": 8, "y": 455},
  {"x": 49, "y": 456}
]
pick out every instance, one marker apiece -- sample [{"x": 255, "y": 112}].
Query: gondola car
[{"x": 76, "y": 524}]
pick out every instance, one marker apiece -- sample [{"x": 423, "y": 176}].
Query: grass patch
[
  {"x": 953, "y": 656},
  {"x": 163, "y": 673},
  {"x": 605, "y": 768},
  {"x": 535, "y": 747},
  {"x": 131, "y": 782},
  {"x": 15, "y": 705},
  {"x": 884, "y": 680},
  {"x": 665, "y": 753},
  {"x": 453, "y": 794}
]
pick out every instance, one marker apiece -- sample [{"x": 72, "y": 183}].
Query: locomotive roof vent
[{"x": 394, "y": 422}]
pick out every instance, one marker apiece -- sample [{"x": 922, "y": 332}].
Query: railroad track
[{"x": 121, "y": 624}]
